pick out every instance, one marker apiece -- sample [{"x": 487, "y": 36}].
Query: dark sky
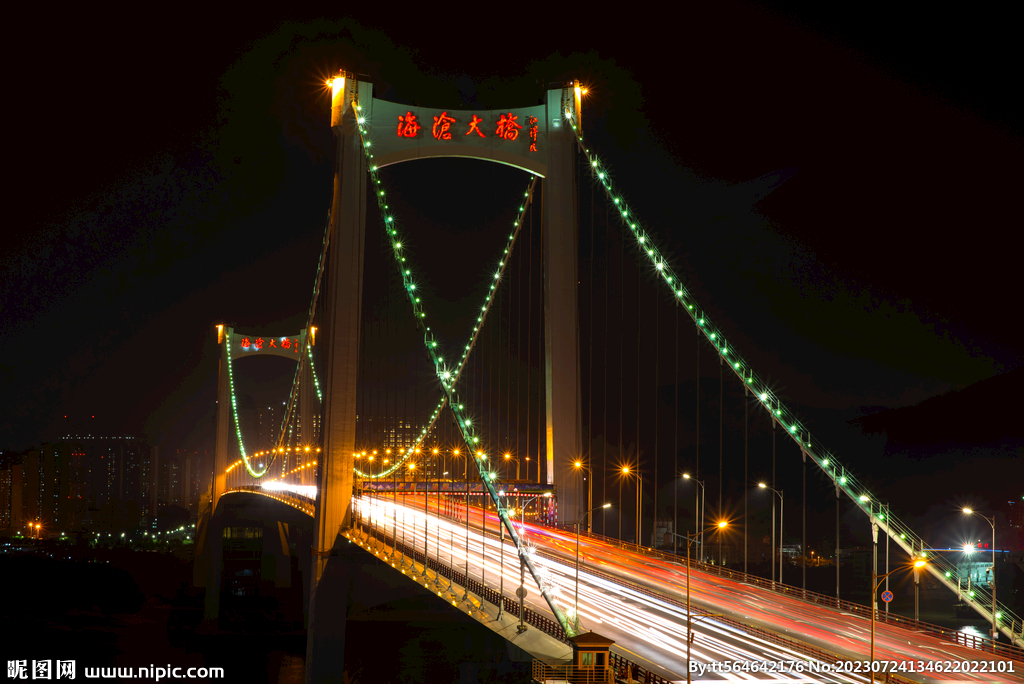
[{"x": 175, "y": 175}]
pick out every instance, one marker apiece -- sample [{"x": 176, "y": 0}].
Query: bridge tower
[
  {"x": 563, "y": 406},
  {"x": 232, "y": 347},
  {"x": 331, "y": 567},
  {"x": 546, "y": 149}
]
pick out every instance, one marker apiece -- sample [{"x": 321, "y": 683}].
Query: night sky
[{"x": 177, "y": 175}]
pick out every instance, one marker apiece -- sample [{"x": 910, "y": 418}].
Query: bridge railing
[
  {"x": 553, "y": 628},
  {"x": 971, "y": 641},
  {"x": 542, "y": 622}
]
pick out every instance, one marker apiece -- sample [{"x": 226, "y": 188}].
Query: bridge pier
[
  {"x": 213, "y": 564},
  {"x": 283, "y": 528},
  {"x": 275, "y": 562},
  {"x": 328, "y": 615}
]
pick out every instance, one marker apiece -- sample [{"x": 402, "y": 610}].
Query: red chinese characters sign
[
  {"x": 441, "y": 125},
  {"x": 259, "y": 343},
  {"x": 407, "y": 126},
  {"x": 506, "y": 127}
]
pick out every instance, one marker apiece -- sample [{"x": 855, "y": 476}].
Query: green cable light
[
  {"x": 465, "y": 427},
  {"x": 740, "y": 367},
  {"x": 312, "y": 371},
  {"x": 234, "y": 411},
  {"x": 449, "y": 377}
]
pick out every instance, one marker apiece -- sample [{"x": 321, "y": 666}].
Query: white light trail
[{"x": 637, "y": 622}]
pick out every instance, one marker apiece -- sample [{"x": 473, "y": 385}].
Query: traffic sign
[
  {"x": 521, "y": 592},
  {"x": 887, "y": 596}
]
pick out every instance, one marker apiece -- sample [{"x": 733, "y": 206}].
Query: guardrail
[
  {"x": 509, "y": 605},
  {"x": 971, "y": 641},
  {"x": 549, "y": 672}
]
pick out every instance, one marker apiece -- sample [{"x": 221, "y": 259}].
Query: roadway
[{"x": 653, "y": 632}]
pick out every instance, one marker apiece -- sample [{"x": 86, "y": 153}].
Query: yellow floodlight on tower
[{"x": 337, "y": 98}]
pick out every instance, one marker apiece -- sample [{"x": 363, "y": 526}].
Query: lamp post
[
  {"x": 689, "y": 621},
  {"x": 501, "y": 533},
  {"x": 639, "y": 504},
  {"x": 625, "y": 474},
  {"x": 576, "y": 599},
  {"x": 509, "y": 457},
  {"x": 521, "y": 591},
  {"x": 883, "y": 511},
  {"x": 415, "y": 482},
  {"x": 373, "y": 499},
  {"x": 578, "y": 466},
  {"x": 703, "y": 497},
  {"x": 465, "y": 592},
  {"x": 628, "y": 472},
  {"x": 991, "y": 521},
  {"x": 782, "y": 503},
  {"x": 874, "y": 539},
  {"x": 876, "y": 582}
]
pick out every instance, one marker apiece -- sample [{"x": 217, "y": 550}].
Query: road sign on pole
[{"x": 887, "y": 596}]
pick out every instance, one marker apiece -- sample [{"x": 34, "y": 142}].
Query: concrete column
[
  {"x": 325, "y": 653},
  {"x": 205, "y": 532},
  {"x": 275, "y": 563},
  {"x": 220, "y": 449},
  {"x": 214, "y": 568},
  {"x": 328, "y": 617},
  {"x": 561, "y": 334},
  {"x": 302, "y": 541}
]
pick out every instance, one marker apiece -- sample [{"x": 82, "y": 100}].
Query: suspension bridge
[{"x": 467, "y": 460}]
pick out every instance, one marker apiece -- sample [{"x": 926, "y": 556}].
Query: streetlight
[
  {"x": 782, "y": 504},
  {"x": 576, "y": 600},
  {"x": 508, "y": 457},
  {"x": 991, "y": 521},
  {"x": 703, "y": 498},
  {"x": 521, "y": 591},
  {"x": 876, "y": 581},
  {"x": 864, "y": 498},
  {"x": 578, "y": 465},
  {"x": 626, "y": 472},
  {"x": 689, "y": 621},
  {"x": 426, "y": 496}
]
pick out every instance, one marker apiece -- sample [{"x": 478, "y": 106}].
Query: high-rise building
[
  {"x": 148, "y": 481},
  {"x": 30, "y": 486},
  {"x": 196, "y": 477},
  {"x": 55, "y": 504},
  {"x": 1014, "y": 512},
  {"x": 8, "y": 463},
  {"x": 169, "y": 482},
  {"x": 73, "y": 478},
  {"x": 268, "y": 426}
]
